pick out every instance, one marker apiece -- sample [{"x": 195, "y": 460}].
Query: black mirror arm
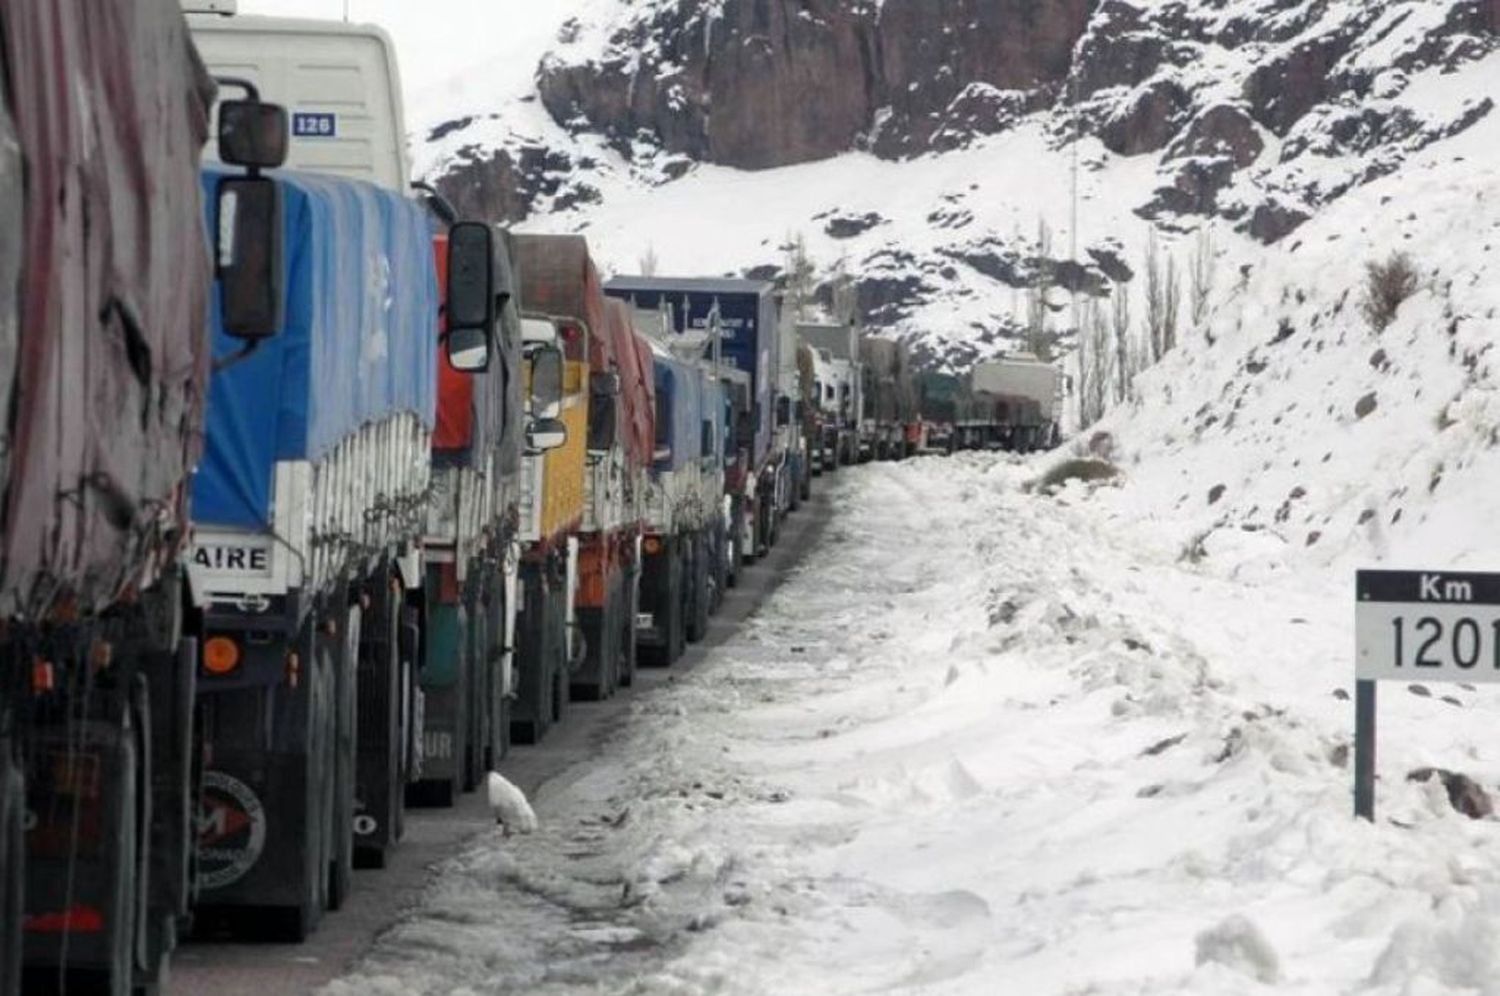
[
  {"x": 225, "y": 362},
  {"x": 441, "y": 206}
]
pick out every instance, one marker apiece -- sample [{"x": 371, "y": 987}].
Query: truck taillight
[{"x": 221, "y": 655}]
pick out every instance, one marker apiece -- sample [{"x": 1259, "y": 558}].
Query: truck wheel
[{"x": 698, "y": 592}]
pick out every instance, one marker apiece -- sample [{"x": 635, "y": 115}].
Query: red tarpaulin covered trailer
[{"x": 111, "y": 109}]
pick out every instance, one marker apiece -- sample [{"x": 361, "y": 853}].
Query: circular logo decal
[{"x": 231, "y": 830}]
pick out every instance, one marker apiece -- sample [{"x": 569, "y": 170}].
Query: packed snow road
[{"x": 988, "y": 741}]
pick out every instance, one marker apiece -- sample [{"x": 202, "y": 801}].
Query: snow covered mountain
[{"x": 920, "y": 148}]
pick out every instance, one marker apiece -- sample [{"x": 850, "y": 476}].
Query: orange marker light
[
  {"x": 221, "y": 655},
  {"x": 652, "y": 544}
]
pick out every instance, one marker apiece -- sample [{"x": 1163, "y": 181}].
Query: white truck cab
[{"x": 339, "y": 83}]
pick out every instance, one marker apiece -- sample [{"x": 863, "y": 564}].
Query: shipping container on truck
[
  {"x": 745, "y": 314},
  {"x": 472, "y": 551},
  {"x": 940, "y": 397},
  {"x": 105, "y": 279},
  {"x": 889, "y": 396},
  {"x": 559, "y": 314},
  {"x": 685, "y": 562},
  {"x": 837, "y": 346},
  {"x": 1018, "y": 400},
  {"x": 818, "y": 427}
]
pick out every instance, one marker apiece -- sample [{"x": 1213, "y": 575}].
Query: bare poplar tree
[
  {"x": 1173, "y": 306},
  {"x": 1036, "y": 294},
  {"x": 649, "y": 261},
  {"x": 845, "y": 303},
  {"x": 1156, "y": 300},
  {"x": 1204, "y": 270},
  {"x": 799, "y": 272},
  {"x": 1120, "y": 319},
  {"x": 1084, "y": 383}
]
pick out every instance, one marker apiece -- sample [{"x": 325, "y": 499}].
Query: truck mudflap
[
  {"x": 266, "y": 819},
  {"x": 12, "y": 864},
  {"x": 444, "y": 678},
  {"x": 661, "y": 622},
  {"x": 85, "y": 813},
  {"x": 174, "y": 800},
  {"x": 380, "y": 765},
  {"x": 599, "y": 675},
  {"x": 541, "y": 649}
]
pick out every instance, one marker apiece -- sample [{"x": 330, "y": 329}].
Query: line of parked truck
[{"x": 317, "y": 497}]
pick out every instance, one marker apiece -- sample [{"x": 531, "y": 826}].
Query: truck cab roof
[{"x": 340, "y": 84}]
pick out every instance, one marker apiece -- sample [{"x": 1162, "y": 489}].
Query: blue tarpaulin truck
[
  {"x": 308, "y": 504},
  {"x": 742, "y": 317}
]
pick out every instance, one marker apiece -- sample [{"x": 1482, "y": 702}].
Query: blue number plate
[{"x": 306, "y": 125}]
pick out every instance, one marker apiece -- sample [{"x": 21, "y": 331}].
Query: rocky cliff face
[
  {"x": 1252, "y": 115},
  {"x": 1247, "y": 101},
  {"x": 763, "y": 83}
]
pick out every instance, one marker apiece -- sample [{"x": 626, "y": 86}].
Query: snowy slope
[
  {"x": 1075, "y": 766},
  {"x": 941, "y": 242},
  {"x": 1269, "y": 409}
]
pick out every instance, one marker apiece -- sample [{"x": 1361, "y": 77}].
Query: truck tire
[
  {"x": 698, "y": 593},
  {"x": 380, "y": 762}
]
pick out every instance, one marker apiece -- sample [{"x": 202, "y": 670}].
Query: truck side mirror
[
  {"x": 472, "y": 305},
  {"x": 707, "y": 447},
  {"x": 783, "y": 411},
  {"x": 604, "y": 388},
  {"x": 249, "y": 244},
  {"x": 252, "y": 134},
  {"x": 545, "y": 434},
  {"x": 546, "y": 382}
]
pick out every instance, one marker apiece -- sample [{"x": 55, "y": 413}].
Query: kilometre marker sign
[{"x": 1427, "y": 626}]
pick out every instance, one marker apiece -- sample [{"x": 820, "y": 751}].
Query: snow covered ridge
[
  {"x": 1077, "y": 766},
  {"x": 1248, "y": 115},
  {"x": 1288, "y": 425}
]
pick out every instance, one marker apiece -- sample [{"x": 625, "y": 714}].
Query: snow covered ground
[{"x": 992, "y": 741}]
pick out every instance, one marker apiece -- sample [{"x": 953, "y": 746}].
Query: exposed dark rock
[
  {"x": 449, "y": 127},
  {"x": 1121, "y": 48},
  {"x": 1222, "y": 130},
  {"x": 1195, "y": 189},
  {"x": 1274, "y": 220},
  {"x": 739, "y": 88},
  {"x": 1286, "y": 87},
  {"x": 1464, "y": 794},
  {"x": 768, "y": 271},
  {"x": 1149, "y": 122},
  {"x": 493, "y": 185},
  {"x": 1365, "y": 405},
  {"x": 848, "y": 226},
  {"x": 1112, "y": 265}
]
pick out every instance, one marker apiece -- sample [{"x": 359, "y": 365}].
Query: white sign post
[{"x": 1417, "y": 626}]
